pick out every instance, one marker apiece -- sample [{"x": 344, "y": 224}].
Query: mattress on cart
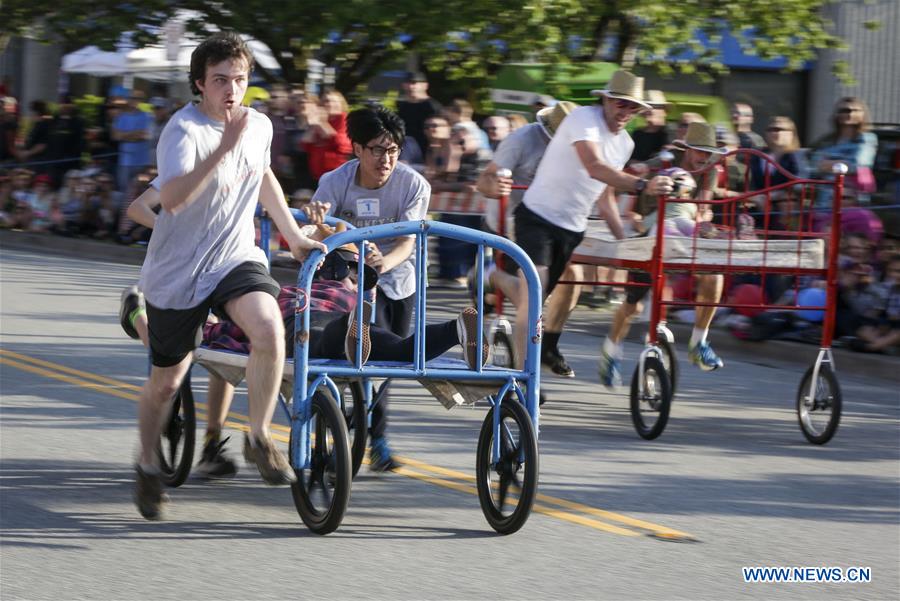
[
  {"x": 600, "y": 244},
  {"x": 231, "y": 367}
]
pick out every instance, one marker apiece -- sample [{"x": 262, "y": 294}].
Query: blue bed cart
[{"x": 328, "y": 429}]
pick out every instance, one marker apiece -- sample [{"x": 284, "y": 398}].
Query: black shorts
[
  {"x": 176, "y": 332},
  {"x": 509, "y": 266},
  {"x": 545, "y": 244},
  {"x": 635, "y": 294}
]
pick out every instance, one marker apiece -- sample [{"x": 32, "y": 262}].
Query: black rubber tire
[
  {"x": 176, "y": 444},
  {"x": 832, "y": 400},
  {"x": 507, "y": 523},
  {"x": 355, "y": 415},
  {"x": 660, "y": 395},
  {"x": 502, "y": 351},
  {"x": 330, "y": 469},
  {"x": 670, "y": 362}
]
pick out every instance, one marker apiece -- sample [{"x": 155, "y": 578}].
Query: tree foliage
[{"x": 466, "y": 40}]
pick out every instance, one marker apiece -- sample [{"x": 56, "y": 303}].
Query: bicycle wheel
[
  {"x": 650, "y": 410},
  {"x": 322, "y": 491},
  {"x": 353, "y": 406},
  {"x": 819, "y": 416},
  {"x": 176, "y": 443},
  {"x": 670, "y": 362},
  {"x": 515, "y": 474},
  {"x": 502, "y": 351}
]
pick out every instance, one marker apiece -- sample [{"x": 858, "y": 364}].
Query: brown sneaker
[
  {"x": 353, "y": 334},
  {"x": 467, "y": 331},
  {"x": 272, "y": 464},
  {"x": 148, "y": 494}
]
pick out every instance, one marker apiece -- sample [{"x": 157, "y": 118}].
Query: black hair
[
  {"x": 39, "y": 107},
  {"x": 216, "y": 48},
  {"x": 372, "y": 122}
]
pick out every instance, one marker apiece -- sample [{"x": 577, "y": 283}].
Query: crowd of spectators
[{"x": 62, "y": 174}]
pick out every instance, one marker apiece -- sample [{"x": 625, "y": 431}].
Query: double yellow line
[{"x": 562, "y": 509}]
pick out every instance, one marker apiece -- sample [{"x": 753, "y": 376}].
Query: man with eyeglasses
[
  {"x": 582, "y": 165},
  {"x": 497, "y": 128},
  {"x": 372, "y": 189}
]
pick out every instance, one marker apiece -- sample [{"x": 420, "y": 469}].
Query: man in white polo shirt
[{"x": 582, "y": 165}]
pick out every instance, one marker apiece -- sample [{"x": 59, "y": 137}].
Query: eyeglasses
[
  {"x": 846, "y": 110},
  {"x": 433, "y": 125},
  {"x": 629, "y": 106},
  {"x": 777, "y": 129},
  {"x": 491, "y": 128},
  {"x": 683, "y": 124},
  {"x": 379, "y": 151}
]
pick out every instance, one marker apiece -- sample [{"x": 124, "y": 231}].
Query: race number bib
[{"x": 368, "y": 207}]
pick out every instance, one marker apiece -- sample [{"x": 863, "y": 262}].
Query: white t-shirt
[
  {"x": 562, "y": 192},
  {"x": 192, "y": 251}
]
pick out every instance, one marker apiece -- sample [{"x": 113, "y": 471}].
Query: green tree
[{"x": 462, "y": 40}]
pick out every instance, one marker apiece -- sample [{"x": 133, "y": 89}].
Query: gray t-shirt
[
  {"x": 192, "y": 251},
  {"x": 521, "y": 153},
  {"x": 404, "y": 197}
]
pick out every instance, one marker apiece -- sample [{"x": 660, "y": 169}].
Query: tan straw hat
[
  {"x": 549, "y": 118},
  {"x": 657, "y": 99},
  {"x": 701, "y": 136},
  {"x": 625, "y": 85}
]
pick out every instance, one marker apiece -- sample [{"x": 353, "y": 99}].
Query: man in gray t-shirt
[
  {"x": 372, "y": 189},
  {"x": 213, "y": 159}
]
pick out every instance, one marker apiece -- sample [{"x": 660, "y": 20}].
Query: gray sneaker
[
  {"x": 148, "y": 494},
  {"x": 272, "y": 464},
  {"x": 354, "y": 333},
  {"x": 467, "y": 332}
]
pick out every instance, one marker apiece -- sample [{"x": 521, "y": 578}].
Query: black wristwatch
[{"x": 640, "y": 185}]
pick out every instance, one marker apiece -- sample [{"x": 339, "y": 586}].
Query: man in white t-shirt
[
  {"x": 521, "y": 153},
  {"x": 582, "y": 165},
  {"x": 213, "y": 159}
]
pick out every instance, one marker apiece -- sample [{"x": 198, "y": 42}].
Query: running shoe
[
  {"x": 272, "y": 464},
  {"x": 354, "y": 332},
  {"x": 552, "y": 358},
  {"x": 704, "y": 357},
  {"x": 214, "y": 463},
  {"x": 381, "y": 459},
  {"x": 467, "y": 331},
  {"x": 148, "y": 494},
  {"x": 610, "y": 371},
  {"x": 132, "y": 300}
]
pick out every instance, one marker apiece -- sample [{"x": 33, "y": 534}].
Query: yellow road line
[
  {"x": 115, "y": 388},
  {"x": 109, "y": 382}
]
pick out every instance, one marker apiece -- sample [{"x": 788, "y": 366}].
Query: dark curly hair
[
  {"x": 372, "y": 122},
  {"x": 213, "y": 50}
]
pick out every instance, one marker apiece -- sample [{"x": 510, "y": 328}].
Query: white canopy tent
[
  {"x": 93, "y": 61},
  {"x": 151, "y": 62}
]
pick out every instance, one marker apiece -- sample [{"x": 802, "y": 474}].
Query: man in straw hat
[
  {"x": 521, "y": 154},
  {"x": 581, "y": 166},
  {"x": 700, "y": 152}
]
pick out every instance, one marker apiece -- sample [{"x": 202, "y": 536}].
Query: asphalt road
[{"x": 731, "y": 483}]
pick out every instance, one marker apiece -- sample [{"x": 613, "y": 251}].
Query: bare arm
[
  {"x": 141, "y": 209},
  {"x": 609, "y": 209},
  {"x": 179, "y": 192},
  {"x": 589, "y": 154},
  {"x": 400, "y": 253},
  {"x": 271, "y": 197},
  {"x": 490, "y": 184}
]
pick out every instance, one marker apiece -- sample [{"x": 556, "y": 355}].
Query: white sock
[
  {"x": 698, "y": 335},
  {"x": 612, "y": 349}
]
